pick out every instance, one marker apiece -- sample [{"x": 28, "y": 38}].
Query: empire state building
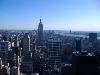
[{"x": 40, "y": 34}]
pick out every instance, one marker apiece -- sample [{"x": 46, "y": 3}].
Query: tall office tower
[
  {"x": 26, "y": 44},
  {"x": 16, "y": 41},
  {"x": 93, "y": 40},
  {"x": 85, "y": 43},
  {"x": 4, "y": 48},
  {"x": 92, "y": 37},
  {"x": 40, "y": 34},
  {"x": 67, "y": 52},
  {"x": 78, "y": 45},
  {"x": 26, "y": 64},
  {"x": 54, "y": 51}
]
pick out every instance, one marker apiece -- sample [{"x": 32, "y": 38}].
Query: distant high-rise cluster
[{"x": 49, "y": 52}]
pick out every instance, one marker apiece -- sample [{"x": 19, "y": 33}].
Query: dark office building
[
  {"x": 78, "y": 44},
  {"x": 84, "y": 65},
  {"x": 40, "y": 34},
  {"x": 92, "y": 37},
  {"x": 93, "y": 40},
  {"x": 26, "y": 42}
]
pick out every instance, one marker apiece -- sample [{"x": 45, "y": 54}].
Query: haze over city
[{"x": 76, "y": 15}]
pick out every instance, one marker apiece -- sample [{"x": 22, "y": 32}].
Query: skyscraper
[
  {"x": 54, "y": 51},
  {"x": 40, "y": 34},
  {"x": 26, "y": 64},
  {"x": 26, "y": 43},
  {"x": 78, "y": 44},
  {"x": 93, "y": 40},
  {"x": 92, "y": 37}
]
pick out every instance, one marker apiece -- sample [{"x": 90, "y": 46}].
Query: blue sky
[{"x": 77, "y": 15}]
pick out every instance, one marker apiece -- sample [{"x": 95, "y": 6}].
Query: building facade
[
  {"x": 26, "y": 44},
  {"x": 54, "y": 51},
  {"x": 78, "y": 44},
  {"x": 4, "y": 48},
  {"x": 93, "y": 41}
]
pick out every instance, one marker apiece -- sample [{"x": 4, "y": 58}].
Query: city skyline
[{"x": 76, "y": 15}]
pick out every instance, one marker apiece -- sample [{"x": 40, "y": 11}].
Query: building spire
[{"x": 40, "y": 21}]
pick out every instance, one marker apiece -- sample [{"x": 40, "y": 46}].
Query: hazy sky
[{"x": 55, "y": 14}]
